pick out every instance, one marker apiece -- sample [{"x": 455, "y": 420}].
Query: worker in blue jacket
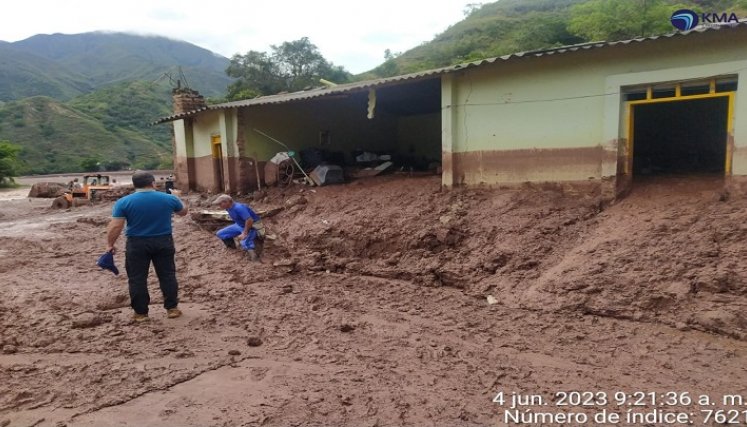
[{"x": 247, "y": 226}]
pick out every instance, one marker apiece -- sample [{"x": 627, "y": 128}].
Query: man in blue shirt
[
  {"x": 147, "y": 213},
  {"x": 247, "y": 226}
]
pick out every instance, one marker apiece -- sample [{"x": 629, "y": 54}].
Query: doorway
[
  {"x": 680, "y": 137},
  {"x": 217, "y": 151},
  {"x": 681, "y": 129}
]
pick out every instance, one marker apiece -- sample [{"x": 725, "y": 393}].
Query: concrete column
[
  {"x": 739, "y": 120},
  {"x": 229, "y": 149},
  {"x": 448, "y": 127},
  {"x": 184, "y": 100}
]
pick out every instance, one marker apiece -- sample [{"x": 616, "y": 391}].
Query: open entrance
[
  {"x": 358, "y": 134},
  {"x": 680, "y": 137},
  {"x": 680, "y": 129},
  {"x": 217, "y": 151}
]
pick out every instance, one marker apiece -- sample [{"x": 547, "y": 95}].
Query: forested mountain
[
  {"x": 108, "y": 127},
  {"x": 510, "y": 26},
  {"x": 66, "y": 99},
  {"x": 23, "y": 74},
  {"x": 63, "y": 66}
]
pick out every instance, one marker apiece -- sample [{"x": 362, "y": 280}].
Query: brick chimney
[{"x": 186, "y": 100}]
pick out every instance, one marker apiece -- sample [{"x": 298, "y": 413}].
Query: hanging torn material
[{"x": 371, "y": 103}]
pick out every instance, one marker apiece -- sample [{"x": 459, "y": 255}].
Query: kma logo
[{"x": 686, "y": 19}]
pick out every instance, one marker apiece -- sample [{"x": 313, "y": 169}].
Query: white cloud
[{"x": 350, "y": 34}]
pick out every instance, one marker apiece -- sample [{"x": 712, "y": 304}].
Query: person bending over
[{"x": 247, "y": 226}]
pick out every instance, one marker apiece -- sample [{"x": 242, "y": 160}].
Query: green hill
[
  {"x": 67, "y": 98},
  {"x": 510, "y": 26},
  {"x": 106, "y": 58},
  {"x": 130, "y": 106},
  {"x": 65, "y": 66},
  {"x": 497, "y": 29},
  {"x": 56, "y": 137},
  {"x": 23, "y": 74}
]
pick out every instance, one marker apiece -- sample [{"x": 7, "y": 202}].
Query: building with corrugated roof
[{"x": 600, "y": 113}]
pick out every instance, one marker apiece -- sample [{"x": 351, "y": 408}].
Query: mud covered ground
[{"x": 371, "y": 308}]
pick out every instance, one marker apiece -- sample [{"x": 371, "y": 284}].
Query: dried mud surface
[{"x": 370, "y": 307}]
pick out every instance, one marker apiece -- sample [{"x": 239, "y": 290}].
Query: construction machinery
[{"x": 83, "y": 192}]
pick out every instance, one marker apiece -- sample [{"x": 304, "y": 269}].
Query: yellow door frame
[
  {"x": 217, "y": 151},
  {"x": 679, "y": 97},
  {"x": 215, "y": 145}
]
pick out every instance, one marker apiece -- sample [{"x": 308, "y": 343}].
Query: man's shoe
[
  {"x": 139, "y": 318},
  {"x": 252, "y": 255},
  {"x": 173, "y": 313},
  {"x": 230, "y": 243}
]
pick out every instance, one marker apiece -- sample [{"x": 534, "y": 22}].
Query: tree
[
  {"x": 115, "y": 165},
  {"x": 256, "y": 74},
  {"x": 544, "y": 32},
  {"x": 8, "y": 162},
  {"x": 471, "y": 8},
  {"x": 291, "y": 66},
  {"x": 390, "y": 67},
  {"x": 90, "y": 164},
  {"x": 618, "y": 20}
]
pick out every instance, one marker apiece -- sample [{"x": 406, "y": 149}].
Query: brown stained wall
[
  {"x": 530, "y": 165},
  {"x": 181, "y": 173},
  {"x": 191, "y": 172},
  {"x": 184, "y": 173},
  {"x": 230, "y": 168},
  {"x": 234, "y": 166},
  {"x": 447, "y": 168},
  {"x": 623, "y": 179},
  {"x": 244, "y": 175},
  {"x": 248, "y": 184},
  {"x": 736, "y": 185},
  {"x": 204, "y": 174}
]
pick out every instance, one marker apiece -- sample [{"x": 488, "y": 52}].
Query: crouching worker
[{"x": 247, "y": 226}]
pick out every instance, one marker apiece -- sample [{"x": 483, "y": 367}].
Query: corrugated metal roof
[{"x": 422, "y": 75}]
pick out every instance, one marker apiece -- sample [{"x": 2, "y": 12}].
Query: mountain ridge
[{"x": 97, "y": 93}]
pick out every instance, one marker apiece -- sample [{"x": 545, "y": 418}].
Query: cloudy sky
[{"x": 349, "y": 33}]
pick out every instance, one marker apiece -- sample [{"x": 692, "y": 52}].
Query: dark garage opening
[{"x": 680, "y": 137}]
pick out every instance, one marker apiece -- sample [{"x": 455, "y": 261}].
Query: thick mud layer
[{"x": 371, "y": 307}]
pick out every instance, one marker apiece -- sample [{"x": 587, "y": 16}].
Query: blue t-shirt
[
  {"x": 240, "y": 212},
  {"x": 147, "y": 212}
]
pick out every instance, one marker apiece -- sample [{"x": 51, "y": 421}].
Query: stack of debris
[
  {"x": 327, "y": 174},
  {"x": 115, "y": 193},
  {"x": 376, "y": 164},
  {"x": 47, "y": 189}
]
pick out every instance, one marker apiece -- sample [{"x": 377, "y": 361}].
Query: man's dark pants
[{"x": 139, "y": 254}]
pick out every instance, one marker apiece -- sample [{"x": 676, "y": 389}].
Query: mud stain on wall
[{"x": 530, "y": 165}]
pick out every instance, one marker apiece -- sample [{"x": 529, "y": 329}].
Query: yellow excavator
[{"x": 82, "y": 193}]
